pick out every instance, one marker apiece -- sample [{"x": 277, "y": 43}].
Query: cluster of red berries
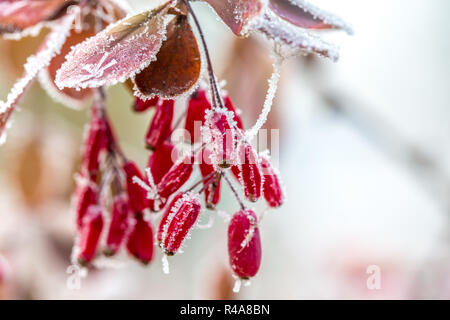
[{"x": 108, "y": 182}]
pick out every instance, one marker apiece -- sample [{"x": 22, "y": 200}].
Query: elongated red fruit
[
  {"x": 90, "y": 234},
  {"x": 119, "y": 224},
  {"x": 161, "y": 160},
  {"x": 161, "y": 125},
  {"x": 95, "y": 142},
  {"x": 86, "y": 196},
  {"x": 182, "y": 217},
  {"x": 244, "y": 244},
  {"x": 211, "y": 182},
  {"x": 140, "y": 241},
  {"x": 272, "y": 190},
  {"x": 143, "y": 105},
  {"x": 137, "y": 195},
  {"x": 223, "y": 136},
  {"x": 251, "y": 178},
  {"x": 176, "y": 177},
  {"x": 195, "y": 115},
  {"x": 230, "y": 107},
  {"x": 165, "y": 216}
]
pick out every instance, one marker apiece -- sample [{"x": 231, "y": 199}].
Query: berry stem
[
  {"x": 238, "y": 198},
  {"x": 212, "y": 79}
]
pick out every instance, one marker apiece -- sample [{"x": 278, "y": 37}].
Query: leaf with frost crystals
[
  {"x": 178, "y": 64},
  {"x": 17, "y": 15},
  {"x": 116, "y": 53},
  {"x": 305, "y": 15},
  {"x": 67, "y": 96},
  {"x": 35, "y": 63},
  {"x": 293, "y": 40},
  {"x": 236, "y": 13}
]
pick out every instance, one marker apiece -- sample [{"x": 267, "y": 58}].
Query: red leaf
[
  {"x": 236, "y": 13},
  {"x": 178, "y": 63},
  {"x": 116, "y": 53},
  {"x": 307, "y": 16},
  {"x": 17, "y": 15}
]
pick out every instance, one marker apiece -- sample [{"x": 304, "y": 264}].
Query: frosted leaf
[
  {"x": 178, "y": 64},
  {"x": 292, "y": 40},
  {"x": 18, "y": 15},
  {"x": 237, "y": 13},
  {"x": 68, "y": 96},
  {"x": 115, "y": 54},
  {"x": 305, "y": 15},
  {"x": 32, "y": 31},
  {"x": 273, "y": 84},
  {"x": 35, "y": 63}
]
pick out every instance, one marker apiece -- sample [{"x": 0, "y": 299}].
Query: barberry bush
[{"x": 159, "y": 57}]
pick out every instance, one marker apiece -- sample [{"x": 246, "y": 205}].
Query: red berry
[
  {"x": 176, "y": 177},
  {"x": 86, "y": 196},
  {"x": 165, "y": 216},
  {"x": 212, "y": 190},
  {"x": 250, "y": 173},
  {"x": 244, "y": 244},
  {"x": 137, "y": 195},
  {"x": 119, "y": 224},
  {"x": 182, "y": 217},
  {"x": 195, "y": 114},
  {"x": 223, "y": 136},
  {"x": 140, "y": 241},
  {"x": 96, "y": 141},
  {"x": 90, "y": 234},
  {"x": 161, "y": 125},
  {"x": 230, "y": 107},
  {"x": 272, "y": 190},
  {"x": 161, "y": 160},
  {"x": 143, "y": 105}
]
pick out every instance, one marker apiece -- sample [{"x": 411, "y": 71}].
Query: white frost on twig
[{"x": 273, "y": 85}]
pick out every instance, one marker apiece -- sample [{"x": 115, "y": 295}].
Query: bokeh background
[{"x": 364, "y": 156}]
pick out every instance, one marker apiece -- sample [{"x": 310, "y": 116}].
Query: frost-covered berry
[
  {"x": 161, "y": 160},
  {"x": 180, "y": 220},
  {"x": 230, "y": 107},
  {"x": 176, "y": 177},
  {"x": 95, "y": 143},
  {"x": 119, "y": 224},
  {"x": 85, "y": 196},
  {"x": 211, "y": 184},
  {"x": 90, "y": 234},
  {"x": 220, "y": 128},
  {"x": 161, "y": 125},
  {"x": 137, "y": 196},
  {"x": 140, "y": 241},
  {"x": 250, "y": 173},
  {"x": 244, "y": 244},
  {"x": 195, "y": 114},
  {"x": 272, "y": 190},
  {"x": 143, "y": 105},
  {"x": 165, "y": 216}
]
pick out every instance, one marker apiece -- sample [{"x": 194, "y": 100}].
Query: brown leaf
[{"x": 178, "y": 63}]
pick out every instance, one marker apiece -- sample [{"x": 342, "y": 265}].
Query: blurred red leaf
[
  {"x": 306, "y": 16},
  {"x": 17, "y": 15},
  {"x": 236, "y": 13}
]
